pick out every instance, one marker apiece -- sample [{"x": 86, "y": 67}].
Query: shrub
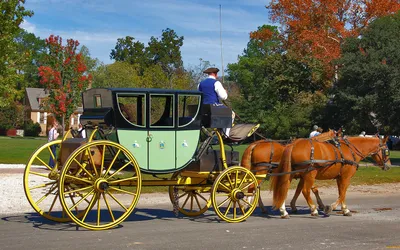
[{"x": 32, "y": 129}]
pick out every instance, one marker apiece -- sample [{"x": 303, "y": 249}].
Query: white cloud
[{"x": 29, "y": 27}]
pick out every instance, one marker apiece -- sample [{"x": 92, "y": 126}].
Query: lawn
[{"x": 19, "y": 150}]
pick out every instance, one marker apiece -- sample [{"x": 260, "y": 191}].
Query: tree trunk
[{"x": 63, "y": 125}]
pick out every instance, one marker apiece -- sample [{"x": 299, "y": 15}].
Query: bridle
[{"x": 383, "y": 149}]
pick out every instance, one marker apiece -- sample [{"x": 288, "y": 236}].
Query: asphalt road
[{"x": 375, "y": 224}]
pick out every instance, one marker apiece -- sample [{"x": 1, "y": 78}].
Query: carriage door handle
[{"x": 149, "y": 138}]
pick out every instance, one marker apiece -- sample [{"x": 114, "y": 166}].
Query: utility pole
[{"x": 220, "y": 39}]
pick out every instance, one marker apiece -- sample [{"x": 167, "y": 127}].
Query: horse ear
[{"x": 385, "y": 139}]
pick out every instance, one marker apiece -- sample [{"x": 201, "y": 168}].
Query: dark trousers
[{"x": 52, "y": 163}]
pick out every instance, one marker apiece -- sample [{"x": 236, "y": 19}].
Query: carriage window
[
  {"x": 188, "y": 107},
  {"x": 132, "y": 108},
  {"x": 97, "y": 101},
  {"x": 162, "y": 110}
]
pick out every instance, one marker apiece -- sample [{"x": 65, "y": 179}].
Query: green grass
[{"x": 18, "y": 151}]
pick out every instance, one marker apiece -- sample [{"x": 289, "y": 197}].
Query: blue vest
[{"x": 209, "y": 95}]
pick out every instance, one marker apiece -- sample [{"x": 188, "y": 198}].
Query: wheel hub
[
  {"x": 237, "y": 194},
  {"x": 101, "y": 185}
]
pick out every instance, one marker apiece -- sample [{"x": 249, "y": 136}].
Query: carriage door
[{"x": 161, "y": 134}]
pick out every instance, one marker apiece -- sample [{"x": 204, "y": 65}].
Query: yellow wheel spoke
[
  {"x": 122, "y": 191},
  {"x": 241, "y": 208},
  {"x": 53, "y": 203},
  {"x": 230, "y": 181},
  {"x": 236, "y": 177},
  {"x": 83, "y": 168},
  {"x": 43, "y": 185},
  {"x": 92, "y": 161},
  {"x": 197, "y": 201},
  {"x": 82, "y": 199},
  {"x": 116, "y": 200},
  {"x": 44, "y": 163},
  {"x": 241, "y": 182},
  {"x": 112, "y": 162},
  {"x": 78, "y": 190},
  {"x": 187, "y": 198},
  {"x": 191, "y": 202},
  {"x": 247, "y": 202},
  {"x": 108, "y": 207},
  {"x": 227, "y": 188},
  {"x": 51, "y": 155},
  {"x": 234, "y": 210},
  {"x": 124, "y": 166},
  {"x": 222, "y": 203},
  {"x": 201, "y": 196},
  {"x": 88, "y": 208},
  {"x": 248, "y": 185},
  {"x": 79, "y": 179},
  {"x": 122, "y": 180},
  {"x": 46, "y": 195},
  {"x": 221, "y": 194},
  {"x": 39, "y": 174},
  {"x": 227, "y": 208},
  {"x": 98, "y": 211},
  {"x": 182, "y": 195},
  {"x": 102, "y": 159}
]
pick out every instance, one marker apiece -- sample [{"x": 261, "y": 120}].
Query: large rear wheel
[
  {"x": 40, "y": 182},
  {"x": 106, "y": 175},
  {"x": 230, "y": 196}
]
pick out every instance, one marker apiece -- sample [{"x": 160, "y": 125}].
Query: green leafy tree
[
  {"x": 131, "y": 51},
  {"x": 277, "y": 91},
  {"x": 117, "y": 75},
  {"x": 367, "y": 96},
  {"x": 12, "y": 13}
]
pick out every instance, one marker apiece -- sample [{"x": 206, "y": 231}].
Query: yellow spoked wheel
[
  {"x": 191, "y": 200},
  {"x": 107, "y": 176},
  {"x": 230, "y": 197},
  {"x": 40, "y": 182}
]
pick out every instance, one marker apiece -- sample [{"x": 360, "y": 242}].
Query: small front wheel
[{"x": 230, "y": 196}]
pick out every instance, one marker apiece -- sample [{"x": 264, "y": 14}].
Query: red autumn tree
[
  {"x": 64, "y": 76},
  {"x": 315, "y": 29}
]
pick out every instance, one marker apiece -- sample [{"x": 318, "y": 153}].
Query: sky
[{"x": 98, "y": 24}]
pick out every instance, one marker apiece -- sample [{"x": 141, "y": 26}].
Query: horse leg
[
  {"x": 308, "y": 184},
  {"x": 343, "y": 189},
  {"x": 296, "y": 195},
  {"x": 321, "y": 205},
  {"x": 333, "y": 206},
  {"x": 284, "y": 213}
]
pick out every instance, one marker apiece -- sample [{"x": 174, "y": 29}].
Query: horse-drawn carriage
[{"x": 97, "y": 180}]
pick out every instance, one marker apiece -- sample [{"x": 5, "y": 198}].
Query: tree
[
  {"x": 277, "y": 91},
  {"x": 117, "y": 75},
  {"x": 196, "y": 73},
  {"x": 12, "y": 13},
  {"x": 126, "y": 50},
  {"x": 316, "y": 29},
  {"x": 63, "y": 75},
  {"x": 367, "y": 96}
]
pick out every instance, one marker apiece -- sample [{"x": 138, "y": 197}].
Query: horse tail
[
  {"x": 280, "y": 184},
  {"x": 246, "y": 158}
]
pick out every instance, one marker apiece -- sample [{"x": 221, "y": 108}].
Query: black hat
[{"x": 211, "y": 70}]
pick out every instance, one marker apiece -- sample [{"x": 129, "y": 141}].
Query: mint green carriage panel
[
  {"x": 186, "y": 145},
  {"x": 135, "y": 142},
  {"x": 161, "y": 150}
]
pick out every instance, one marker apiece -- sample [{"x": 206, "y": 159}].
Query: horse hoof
[
  {"x": 314, "y": 215},
  {"x": 327, "y": 209},
  {"x": 348, "y": 214},
  {"x": 285, "y": 216}
]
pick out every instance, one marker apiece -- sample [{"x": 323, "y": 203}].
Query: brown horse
[
  {"x": 263, "y": 156},
  {"x": 322, "y": 161}
]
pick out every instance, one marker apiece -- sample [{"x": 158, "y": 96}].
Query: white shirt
[
  {"x": 53, "y": 134},
  {"x": 314, "y": 133},
  {"x": 221, "y": 92}
]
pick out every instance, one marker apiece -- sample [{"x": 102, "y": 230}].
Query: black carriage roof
[{"x": 151, "y": 90}]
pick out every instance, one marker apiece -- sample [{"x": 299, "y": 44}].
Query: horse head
[{"x": 381, "y": 155}]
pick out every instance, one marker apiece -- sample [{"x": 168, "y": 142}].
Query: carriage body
[{"x": 133, "y": 131}]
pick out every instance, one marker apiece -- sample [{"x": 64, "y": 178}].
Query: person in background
[
  {"x": 213, "y": 91},
  {"x": 314, "y": 132},
  {"x": 81, "y": 131},
  {"x": 53, "y": 135},
  {"x": 320, "y": 130},
  {"x": 362, "y": 134}
]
